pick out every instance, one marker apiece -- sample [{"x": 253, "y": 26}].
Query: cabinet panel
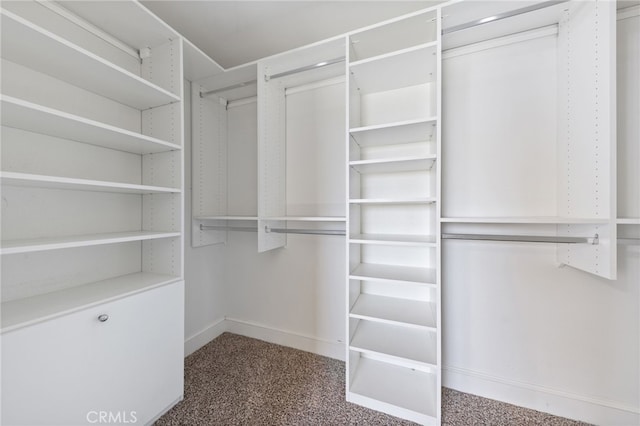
[{"x": 62, "y": 371}]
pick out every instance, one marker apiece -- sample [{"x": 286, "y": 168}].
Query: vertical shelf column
[
  {"x": 393, "y": 284},
  {"x": 587, "y": 134}
]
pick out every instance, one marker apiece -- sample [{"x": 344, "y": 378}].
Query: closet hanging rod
[
  {"x": 227, "y": 228},
  {"x": 231, "y": 87},
  {"x": 305, "y": 68},
  {"x": 523, "y": 238},
  {"x": 274, "y": 230},
  {"x": 503, "y": 15},
  {"x": 304, "y": 231}
]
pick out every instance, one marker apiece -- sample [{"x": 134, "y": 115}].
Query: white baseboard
[
  {"x": 261, "y": 332},
  {"x": 204, "y": 336},
  {"x": 552, "y": 401},
  {"x": 286, "y": 338}
]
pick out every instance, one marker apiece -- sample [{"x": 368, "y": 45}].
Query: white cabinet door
[{"x": 77, "y": 370}]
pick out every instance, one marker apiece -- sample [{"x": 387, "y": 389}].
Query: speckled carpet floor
[{"x": 235, "y": 380}]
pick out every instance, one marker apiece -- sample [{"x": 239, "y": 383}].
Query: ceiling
[{"x": 237, "y": 32}]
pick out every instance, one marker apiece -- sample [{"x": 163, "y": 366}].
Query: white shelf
[
  {"x": 408, "y": 67},
  {"x": 42, "y": 244},
  {"x": 628, "y": 221},
  {"x": 525, "y": 220},
  {"x": 35, "y": 118},
  {"x": 459, "y": 14},
  {"x": 395, "y": 311},
  {"x": 386, "y": 273},
  {"x": 226, "y": 218},
  {"x": 393, "y": 239},
  {"x": 409, "y": 347},
  {"x": 391, "y": 36},
  {"x": 308, "y": 218},
  {"x": 423, "y": 200},
  {"x": 23, "y": 312},
  {"x": 55, "y": 182},
  {"x": 375, "y": 381},
  {"x": 392, "y": 165},
  {"x": 41, "y": 50},
  {"x": 395, "y": 133}
]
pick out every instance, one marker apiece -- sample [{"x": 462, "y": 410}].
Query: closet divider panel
[
  {"x": 209, "y": 164},
  {"x": 587, "y": 133},
  {"x": 272, "y": 157}
]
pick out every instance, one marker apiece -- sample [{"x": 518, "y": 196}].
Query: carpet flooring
[{"x": 236, "y": 380}]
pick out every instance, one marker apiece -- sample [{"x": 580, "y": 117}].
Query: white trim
[
  {"x": 553, "y": 401},
  {"x": 204, "y": 336},
  {"x": 287, "y": 338},
  {"x": 550, "y": 30},
  {"x": 258, "y": 331}
]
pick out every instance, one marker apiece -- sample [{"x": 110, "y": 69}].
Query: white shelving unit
[
  {"x": 92, "y": 178},
  {"x": 393, "y": 284}
]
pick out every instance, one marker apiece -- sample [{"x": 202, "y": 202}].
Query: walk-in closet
[{"x": 307, "y": 212}]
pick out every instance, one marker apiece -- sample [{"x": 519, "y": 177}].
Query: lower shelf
[
  {"x": 403, "y": 346},
  {"x": 395, "y": 390},
  {"x": 23, "y": 312}
]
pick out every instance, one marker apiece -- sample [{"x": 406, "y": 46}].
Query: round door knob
[{"x": 103, "y": 318}]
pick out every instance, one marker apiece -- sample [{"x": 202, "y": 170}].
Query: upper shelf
[
  {"x": 226, "y": 218},
  {"x": 31, "y": 46},
  {"x": 392, "y": 36},
  {"x": 35, "y": 118},
  {"x": 466, "y": 23},
  {"x": 394, "y": 239},
  {"x": 395, "y": 133},
  {"x": 628, "y": 221},
  {"x": 425, "y": 200},
  {"x": 409, "y": 67},
  {"x": 525, "y": 220},
  {"x": 57, "y": 182},
  {"x": 308, "y": 218},
  {"x": 43, "y": 244},
  {"x": 391, "y": 165}
]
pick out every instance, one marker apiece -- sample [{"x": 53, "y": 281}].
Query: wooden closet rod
[
  {"x": 524, "y": 238},
  {"x": 501, "y": 16}
]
